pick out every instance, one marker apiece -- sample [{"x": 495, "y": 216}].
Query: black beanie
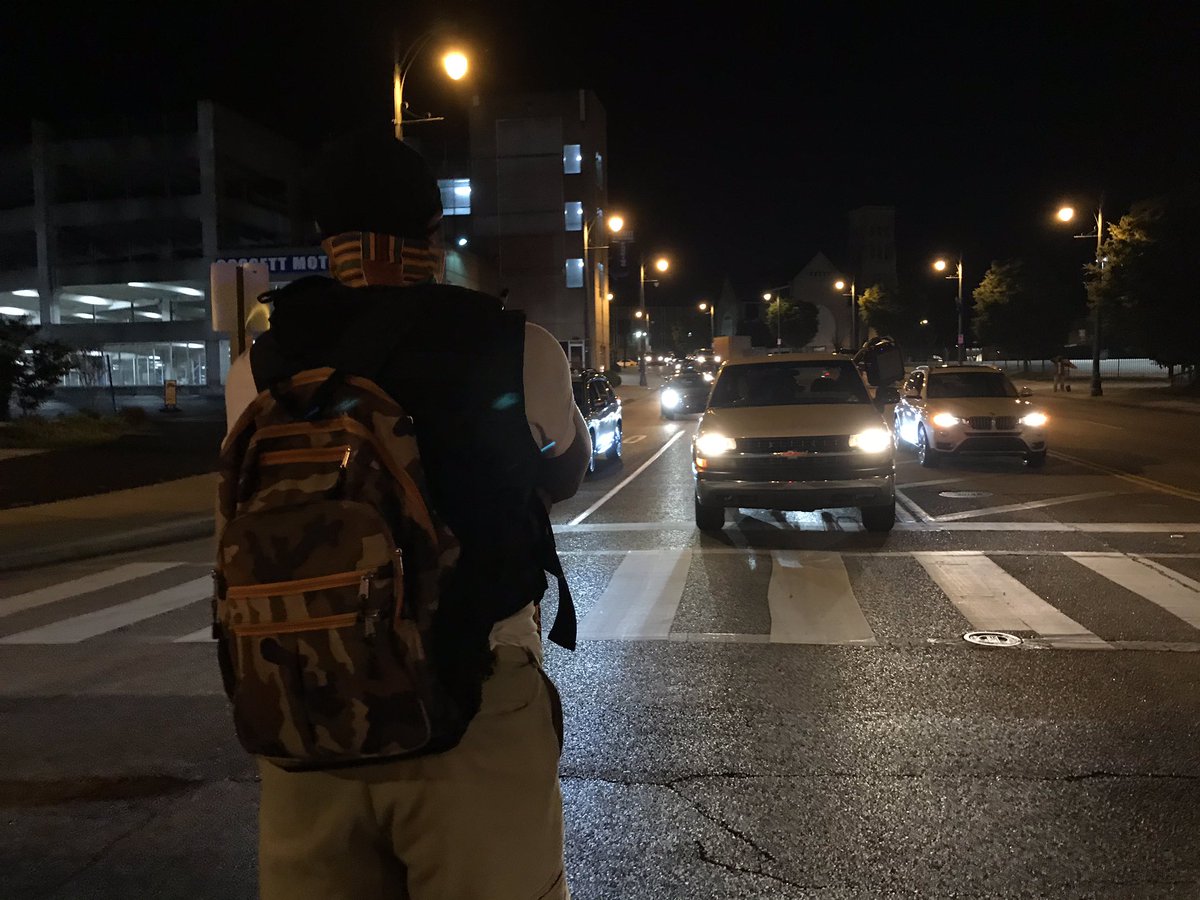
[{"x": 369, "y": 181}]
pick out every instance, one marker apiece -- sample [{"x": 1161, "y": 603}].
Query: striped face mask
[{"x": 362, "y": 258}]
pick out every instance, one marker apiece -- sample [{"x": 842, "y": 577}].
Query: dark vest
[{"x": 454, "y": 360}]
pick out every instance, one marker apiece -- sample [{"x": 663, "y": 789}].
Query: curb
[
  {"x": 119, "y": 542},
  {"x": 1150, "y": 405}
]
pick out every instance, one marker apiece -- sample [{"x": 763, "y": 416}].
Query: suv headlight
[
  {"x": 873, "y": 440},
  {"x": 714, "y": 444},
  {"x": 946, "y": 420},
  {"x": 1035, "y": 419},
  {"x": 670, "y": 398}
]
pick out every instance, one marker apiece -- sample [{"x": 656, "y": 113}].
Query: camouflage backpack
[{"x": 330, "y": 568}]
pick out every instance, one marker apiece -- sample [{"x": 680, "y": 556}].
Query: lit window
[
  {"x": 456, "y": 196},
  {"x": 574, "y": 214},
  {"x": 572, "y": 158},
  {"x": 575, "y": 272}
]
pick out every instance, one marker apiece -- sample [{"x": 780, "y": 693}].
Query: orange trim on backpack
[
  {"x": 299, "y": 586},
  {"x": 324, "y": 623},
  {"x": 340, "y": 455}
]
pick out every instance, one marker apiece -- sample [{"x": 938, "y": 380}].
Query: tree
[
  {"x": 28, "y": 368},
  {"x": 799, "y": 324},
  {"x": 1146, "y": 287},
  {"x": 1018, "y": 309}
]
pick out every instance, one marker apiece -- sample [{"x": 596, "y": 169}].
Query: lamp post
[
  {"x": 661, "y": 264},
  {"x": 840, "y": 285},
  {"x": 1067, "y": 214},
  {"x": 940, "y": 266},
  {"x": 454, "y": 62},
  {"x": 615, "y": 223},
  {"x": 773, "y": 293},
  {"x": 712, "y": 324}
]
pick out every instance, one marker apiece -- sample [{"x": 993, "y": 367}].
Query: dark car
[
  {"x": 601, "y": 409},
  {"x": 685, "y": 392}
]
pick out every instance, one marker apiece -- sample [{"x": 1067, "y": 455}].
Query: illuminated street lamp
[
  {"x": 840, "y": 285},
  {"x": 778, "y": 297},
  {"x": 1066, "y": 214},
  {"x": 712, "y": 324},
  {"x": 661, "y": 264},
  {"x": 614, "y": 224},
  {"x": 454, "y": 62},
  {"x": 940, "y": 266}
]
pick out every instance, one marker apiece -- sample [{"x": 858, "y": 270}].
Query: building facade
[
  {"x": 538, "y": 193},
  {"x": 872, "y": 246}
]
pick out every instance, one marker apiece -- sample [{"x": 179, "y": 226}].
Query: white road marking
[
  {"x": 84, "y": 585},
  {"x": 1020, "y": 507},
  {"x": 1164, "y": 587},
  {"x": 641, "y": 599},
  {"x": 913, "y": 507},
  {"x": 1125, "y": 476},
  {"x": 640, "y": 469},
  {"x": 935, "y": 481},
  {"x": 632, "y": 438},
  {"x": 199, "y": 636},
  {"x": 993, "y": 600},
  {"x": 811, "y": 601},
  {"x": 89, "y": 625},
  {"x": 903, "y": 515}
]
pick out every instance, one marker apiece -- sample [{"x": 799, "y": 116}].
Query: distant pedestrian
[
  {"x": 1062, "y": 373},
  {"x": 383, "y": 553}
]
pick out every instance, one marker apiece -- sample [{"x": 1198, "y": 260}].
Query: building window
[
  {"x": 575, "y": 272},
  {"x": 456, "y": 196},
  {"x": 572, "y": 159},
  {"x": 574, "y": 215}
]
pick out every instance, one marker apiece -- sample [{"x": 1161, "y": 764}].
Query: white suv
[
  {"x": 948, "y": 411},
  {"x": 793, "y": 431}
]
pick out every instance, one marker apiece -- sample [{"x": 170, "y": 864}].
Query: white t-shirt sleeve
[
  {"x": 239, "y": 390},
  {"x": 549, "y": 403}
]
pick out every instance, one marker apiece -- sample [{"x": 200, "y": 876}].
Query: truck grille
[{"x": 825, "y": 443}]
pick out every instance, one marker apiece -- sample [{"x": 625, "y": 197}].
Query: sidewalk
[{"x": 1152, "y": 395}]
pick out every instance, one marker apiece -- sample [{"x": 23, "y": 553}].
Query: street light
[
  {"x": 778, "y": 312},
  {"x": 1067, "y": 214},
  {"x": 661, "y": 264},
  {"x": 840, "y": 285},
  {"x": 940, "y": 266},
  {"x": 614, "y": 223},
  {"x": 454, "y": 63},
  {"x": 712, "y": 325}
]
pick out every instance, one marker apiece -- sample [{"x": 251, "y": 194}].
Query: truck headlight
[
  {"x": 670, "y": 398},
  {"x": 873, "y": 440},
  {"x": 1035, "y": 419},
  {"x": 714, "y": 444},
  {"x": 946, "y": 420}
]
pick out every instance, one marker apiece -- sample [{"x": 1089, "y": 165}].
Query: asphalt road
[{"x": 784, "y": 710}]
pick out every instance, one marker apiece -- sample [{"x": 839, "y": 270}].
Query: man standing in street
[
  {"x": 500, "y": 440},
  {"x": 1062, "y": 372}
]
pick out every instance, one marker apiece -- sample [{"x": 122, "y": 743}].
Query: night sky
[{"x": 738, "y": 140}]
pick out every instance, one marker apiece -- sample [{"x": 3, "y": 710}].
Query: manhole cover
[
  {"x": 992, "y": 638},
  {"x": 965, "y": 495}
]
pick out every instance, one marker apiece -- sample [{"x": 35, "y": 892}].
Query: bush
[{"x": 63, "y": 431}]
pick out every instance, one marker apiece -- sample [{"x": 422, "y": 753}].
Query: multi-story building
[
  {"x": 872, "y": 246},
  {"x": 537, "y": 199},
  {"x": 107, "y": 233}
]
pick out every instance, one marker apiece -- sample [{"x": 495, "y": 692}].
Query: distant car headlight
[
  {"x": 699, "y": 359},
  {"x": 708, "y": 376},
  {"x": 717, "y": 358},
  {"x": 946, "y": 420},
  {"x": 714, "y": 444},
  {"x": 1035, "y": 419},
  {"x": 671, "y": 399},
  {"x": 873, "y": 440}
]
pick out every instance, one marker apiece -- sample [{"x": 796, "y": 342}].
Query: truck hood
[{"x": 792, "y": 421}]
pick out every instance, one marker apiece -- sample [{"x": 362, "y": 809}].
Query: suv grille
[
  {"x": 980, "y": 423},
  {"x": 1006, "y": 423},
  {"x": 826, "y": 443},
  {"x": 987, "y": 423}
]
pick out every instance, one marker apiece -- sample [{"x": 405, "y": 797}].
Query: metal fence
[{"x": 1109, "y": 368}]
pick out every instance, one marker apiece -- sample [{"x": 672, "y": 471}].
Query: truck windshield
[{"x": 789, "y": 384}]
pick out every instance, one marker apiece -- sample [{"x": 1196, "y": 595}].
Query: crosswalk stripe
[
  {"x": 993, "y": 600},
  {"x": 89, "y": 625},
  {"x": 1174, "y": 592},
  {"x": 642, "y": 598},
  {"x": 199, "y": 636},
  {"x": 85, "y": 585},
  {"x": 811, "y": 600}
]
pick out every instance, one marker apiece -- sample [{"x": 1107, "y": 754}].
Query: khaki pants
[{"x": 480, "y": 822}]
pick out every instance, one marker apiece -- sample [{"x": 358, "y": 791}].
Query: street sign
[{"x": 236, "y": 311}]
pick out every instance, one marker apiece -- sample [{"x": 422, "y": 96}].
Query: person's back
[{"x": 499, "y": 436}]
